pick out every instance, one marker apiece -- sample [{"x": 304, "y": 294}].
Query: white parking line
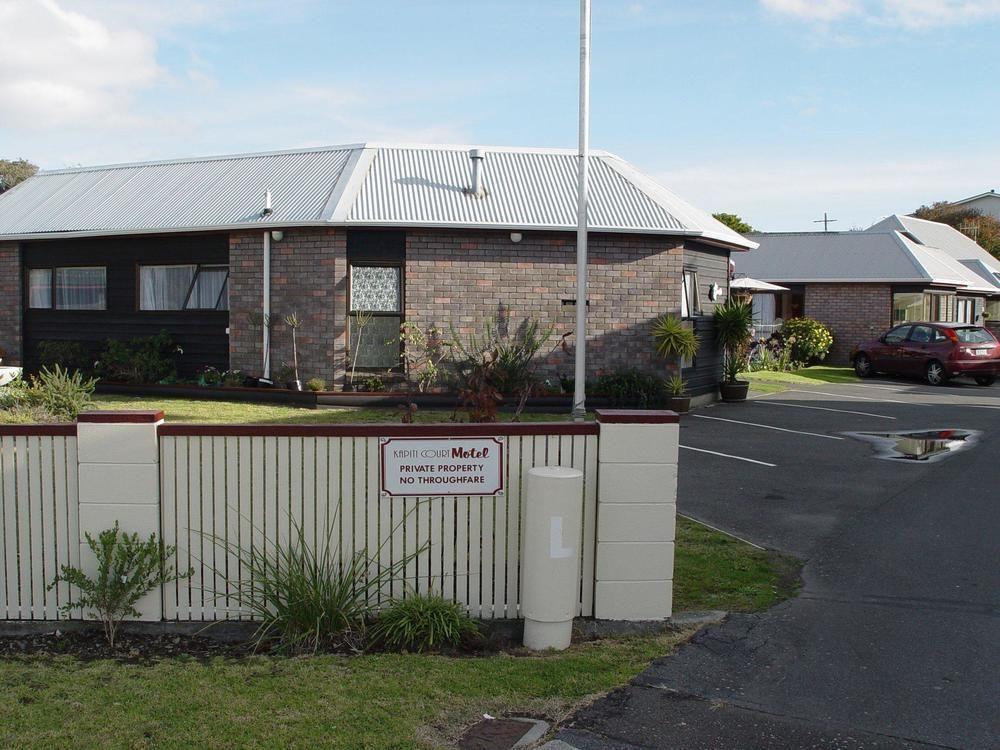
[
  {"x": 859, "y": 398},
  {"x": 876, "y": 387},
  {"x": 726, "y": 455},
  {"x": 768, "y": 427},
  {"x": 827, "y": 408}
]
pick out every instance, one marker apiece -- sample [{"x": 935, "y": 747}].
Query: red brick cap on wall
[
  {"x": 133, "y": 416},
  {"x": 637, "y": 416}
]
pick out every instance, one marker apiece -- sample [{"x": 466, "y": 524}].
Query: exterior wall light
[
  {"x": 515, "y": 236},
  {"x": 277, "y": 235}
]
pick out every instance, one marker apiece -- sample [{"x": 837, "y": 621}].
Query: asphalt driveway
[{"x": 894, "y": 640}]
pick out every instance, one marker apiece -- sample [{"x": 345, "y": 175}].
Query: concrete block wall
[
  {"x": 119, "y": 480},
  {"x": 854, "y": 313},
  {"x": 636, "y": 515},
  {"x": 10, "y": 302}
]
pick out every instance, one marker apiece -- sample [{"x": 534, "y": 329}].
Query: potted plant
[
  {"x": 674, "y": 341},
  {"x": 286, "y": 376},
  {"x": 293, "y": 322},
  {"x": 733, "y": 326},
  {"x": 678, "y": 399}
]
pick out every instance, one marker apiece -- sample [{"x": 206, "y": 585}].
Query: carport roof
[
  {"x": 853, "y": 257},
  {"x": 375, "y": 185}
]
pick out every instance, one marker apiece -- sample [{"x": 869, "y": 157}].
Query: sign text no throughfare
[{"x": 441, "y": 466}]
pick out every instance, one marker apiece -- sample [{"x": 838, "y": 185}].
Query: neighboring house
[
  {"x": 860, "y": 283},
  {"x": 988, "y": 203},
  {"x": 433, "y": 235}
]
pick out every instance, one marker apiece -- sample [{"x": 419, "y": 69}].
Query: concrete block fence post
[
  {"x": 636, "y": 514},
  {"x": 119, "y": 476}
]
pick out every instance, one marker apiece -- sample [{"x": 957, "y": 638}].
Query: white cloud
[
  {"x": 59, "y": 67},
  {"x": 788, "y": 195},
  {"x": 910, "y": 14}
]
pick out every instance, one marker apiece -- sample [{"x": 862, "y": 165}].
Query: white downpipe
[
  {"x": 266, "y": 310},
  {"x": 583, "y": 198}
]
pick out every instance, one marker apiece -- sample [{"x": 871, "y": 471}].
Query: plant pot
[
  {"x": 679, "y": 403},
  {"x": 348, "y": 387},
  {"x": 734, "y": 391},
  {"x": 294, "y": 385}
]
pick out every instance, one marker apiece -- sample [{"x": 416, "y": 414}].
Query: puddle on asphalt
[{"x": 918, "y": 445}]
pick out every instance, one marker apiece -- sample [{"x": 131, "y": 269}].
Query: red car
[{"x": 935, "y": 351}]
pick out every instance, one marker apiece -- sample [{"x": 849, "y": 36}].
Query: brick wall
[
  {"x": 308, "y": 277},
  {"x": 854, "y": 312},
  {"x": 10, "y": 302},
  {"x": 464, "y": 278}
]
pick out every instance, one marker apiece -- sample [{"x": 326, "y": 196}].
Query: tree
[
  {"x": 734, "y": 222},
  {"x": 972, "y": 222},
  {"x": 15, "y": 171}
]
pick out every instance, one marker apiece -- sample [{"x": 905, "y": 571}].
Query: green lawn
[
  {"x": 195, "y": 410},
  {"x": 370, "y": 701},
  {"x": 774, "y": 382}
]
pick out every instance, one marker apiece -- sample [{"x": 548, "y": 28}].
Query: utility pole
[
  {"x": 583, "y": 198},
  {"x": 826, "y": 222}
]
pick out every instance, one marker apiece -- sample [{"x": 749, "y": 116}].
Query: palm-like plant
[
  {"x": 733, "y": 326},
  {"x": 673, "y": 339}
]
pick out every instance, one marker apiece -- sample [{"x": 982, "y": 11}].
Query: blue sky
[{"x": 775, "y": 109}]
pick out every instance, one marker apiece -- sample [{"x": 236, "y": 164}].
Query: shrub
[
  {"x": 50, "y": 396},
  {"x": 423, "y": 622},
  {"x": 209, "y": 377},
  {"x": 676, "y": 385},
  {"x": 147, "y": 359},
  {"x": 673, "y": 338},
  {"x": 69, "y": 355},
  {"x": 631, "y": 388},
  {"x": 304, "y": 596},
  {"x": 372, "y": 383},
  {"x": 233, "y": 378},
  {"x": 733, "y": 324},
  {"x": 316, "y": 384},
  {"x": 421, "y": 354},
  {"x": 62, "y": 394},
  {"x": 808, "y": 339},
  {"x": 127, "y": 569}
]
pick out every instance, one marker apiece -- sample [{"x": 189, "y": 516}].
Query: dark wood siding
[
  {"x": 200, "y": 333},
  {"x": 712, "y": 265}
]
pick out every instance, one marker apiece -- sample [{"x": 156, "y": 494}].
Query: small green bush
[
  {"x": 423, "y": 622},
  {"x": 304, "y": 595},
  {"x": 69, "y": 355},
  {"x": 631, "y": 388},
  {"x": 209, "y": 377},
  {"x": 673, "y": 338},
  {"x": 127, "y": 569},
  {"x": 316, "y": 384},
  {"x": 148, "y": 359},
  {"x": 372, "y": 383},
  {"x": 50, "y": 396},
  {"x": 808, "y": 339},
  {"x": 233, "y": 378}
]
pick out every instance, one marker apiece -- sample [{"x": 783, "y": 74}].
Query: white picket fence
[
  {"x": 39, "y": 521},
  {"x": 222, "y": 492}
]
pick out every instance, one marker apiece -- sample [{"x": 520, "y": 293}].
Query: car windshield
[{"x": 974, "y": 336}]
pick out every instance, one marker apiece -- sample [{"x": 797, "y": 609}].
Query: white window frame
[{"x": 687, "y": 311}]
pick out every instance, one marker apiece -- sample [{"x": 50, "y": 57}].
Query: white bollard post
[{"x": 551, "y": 565}]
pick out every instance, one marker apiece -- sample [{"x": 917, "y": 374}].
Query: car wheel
[
  {"x": 986, "y": 380},
  {"x": 863, "y": 366},
  {"x": 935, "y": 373}
]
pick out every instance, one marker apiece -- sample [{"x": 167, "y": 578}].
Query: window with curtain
[
  {"x": 375, "y": 315},
  {"x": 73, "y": 288},
  {"x": 690, "y": 299},
  {"x": 183, "y": 287},
  {"x": 965, "y": 310},
  {"x": 40, "y": 288},
  {"x": 907, "y": 306}
]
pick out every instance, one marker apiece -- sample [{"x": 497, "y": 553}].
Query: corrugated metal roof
[
  {"x": 360, "y": 185},
  {"x": 847, "y": 257},
  {"x": 937, "y": 235},
  {"x": 175, "y": 195}
]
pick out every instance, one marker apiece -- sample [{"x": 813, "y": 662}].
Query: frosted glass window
[{"x": 375, "y": 289}]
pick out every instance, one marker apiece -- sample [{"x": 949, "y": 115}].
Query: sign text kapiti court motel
[{"x": 441, "y": 466}]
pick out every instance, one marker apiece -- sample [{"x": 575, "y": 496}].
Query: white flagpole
[{"x": 580, "y": 370}]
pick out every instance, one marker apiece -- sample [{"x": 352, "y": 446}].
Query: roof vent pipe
[
  {"x": 476, "y": 156},
  {"x": 267, "y": 204}
]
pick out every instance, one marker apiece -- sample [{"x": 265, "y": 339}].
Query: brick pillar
[
  {"x": 636, "y": 514},
  {"x": 119, "y": 480}
]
